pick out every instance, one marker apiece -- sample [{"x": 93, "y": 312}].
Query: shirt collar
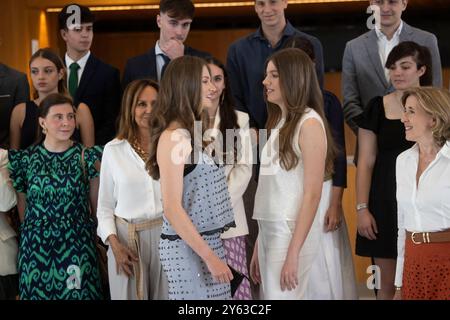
[
  {"x": 382, "y": 36},
  {"x": 81, "y": 62},
  {"x": 444, "y": 151},
  {"x": 288, "y": 31},
  {"x": 158, "y": 50}
]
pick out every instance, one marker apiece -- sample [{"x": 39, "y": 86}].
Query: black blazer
[
  {"x": 99, "y": 88},
  {"x": 13, "y": 90},
  {"x": 144, "y": 65}
]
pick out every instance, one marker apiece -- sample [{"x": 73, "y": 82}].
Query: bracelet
[
  {"x": 361, "y": 206},
  {"x": 398, "y": 288}
]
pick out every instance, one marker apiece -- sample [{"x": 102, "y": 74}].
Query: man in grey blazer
[
  {"x": 13, "y": 90},
  {"x": 363, "y": 72}
]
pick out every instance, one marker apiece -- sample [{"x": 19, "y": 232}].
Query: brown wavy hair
[
  {"x": 49, "y": 54},
  {"x": 179, "y": 99},
  {"x": 128, "y": 129},
  {"x": 435, "y": 102},
  {"x": 299, "y": 89}
]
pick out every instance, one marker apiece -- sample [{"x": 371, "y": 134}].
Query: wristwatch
[{"x": 361, "y": 206}]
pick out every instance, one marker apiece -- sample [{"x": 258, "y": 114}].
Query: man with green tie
[{"x": 90, "y": 80}]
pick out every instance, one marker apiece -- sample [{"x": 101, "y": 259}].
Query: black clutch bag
[{"x": 238, "y": 277}]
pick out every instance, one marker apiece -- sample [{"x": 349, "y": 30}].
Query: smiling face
[
  {"x": 404, "y": 73},
  {"x": 143, "y": 107},
  {"x": 418, "y": 123},
  {"x": 59, "y": 122},
  {"x": 171, "y": 28},
  {"x": 218, "y": 80},
  {"x": 45, "y": 75},
  {"x": 390, "y": 11},
  {"x": 208, "y": 89},
  {"x": 271, "y": 12},
  {"x": 272, "y": 85}
]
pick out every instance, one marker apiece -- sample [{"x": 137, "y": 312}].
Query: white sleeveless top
[{"x": 280, "y": 193}]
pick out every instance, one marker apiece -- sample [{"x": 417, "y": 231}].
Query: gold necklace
[{"x": 141, "y": 152}]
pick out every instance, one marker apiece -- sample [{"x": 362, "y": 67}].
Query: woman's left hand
[
  {"x": 333, "y": 218},
  {"x": 289, "y": 279}
]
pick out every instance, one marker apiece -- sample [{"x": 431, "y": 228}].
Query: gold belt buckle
[{"x": 412, "y": 238}]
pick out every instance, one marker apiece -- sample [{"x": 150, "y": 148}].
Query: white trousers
[{"x": 154, "y": 279}]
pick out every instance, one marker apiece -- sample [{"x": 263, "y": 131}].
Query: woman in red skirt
[{"x": 423, "y": 197}]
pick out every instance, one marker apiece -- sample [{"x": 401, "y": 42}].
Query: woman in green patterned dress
[{"x": 55, "y": 179}]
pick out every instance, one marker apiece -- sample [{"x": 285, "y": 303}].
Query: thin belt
[
  {"x": 133, "y": 245},
  {"x": 429, "y": 237}
]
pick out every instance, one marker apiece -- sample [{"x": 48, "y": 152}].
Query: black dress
[
  {"x": 382, "y": 197},
  {"x": 29, "y": 129}
]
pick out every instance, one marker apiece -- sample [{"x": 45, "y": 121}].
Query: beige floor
[{"x": 364, "y": 293}]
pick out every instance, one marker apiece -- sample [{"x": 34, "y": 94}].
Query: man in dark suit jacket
[
  {"x": 174, "y": 21},
  {"x": 13, "y": 90},
  {"x": 90, "y": 80}
]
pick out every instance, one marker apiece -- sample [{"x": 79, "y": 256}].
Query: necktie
[
  {"x": 166, "y": 63},
  {"x": 73, "y": 78}
]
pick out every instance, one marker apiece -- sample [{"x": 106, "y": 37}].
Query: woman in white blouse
[
  {"x": 238, "y": 167},
  {"x": 129, "y": 205},
  {"x": 423, "y": 189}
]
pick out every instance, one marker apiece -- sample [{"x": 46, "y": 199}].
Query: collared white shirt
[
  {"x": 159, "y": 59},
  {"x": 82, "y": 63},
  {"x": 126, "y": 189},
  {"x": 424, "y": 207},
  {"x": 385, "y": 46}
]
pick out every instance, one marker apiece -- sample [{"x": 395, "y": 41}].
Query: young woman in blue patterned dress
[
  {"x": 57, "y": 253},
  {"x": 195, "y": 196}
]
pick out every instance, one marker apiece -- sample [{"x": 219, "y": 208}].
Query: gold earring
[{"x": 44, "y": 130}]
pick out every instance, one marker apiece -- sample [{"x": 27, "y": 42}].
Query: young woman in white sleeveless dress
[{"x": 293, "y": 259}]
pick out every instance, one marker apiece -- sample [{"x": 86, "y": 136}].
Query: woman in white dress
[{"x": 294, "y": 188}]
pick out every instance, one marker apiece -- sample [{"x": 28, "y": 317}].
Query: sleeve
[
  {"x": 320, "y": 67},
  {"x": 335, "y": 117},
  {"x": 112, "y": 107},
  {"x": 23, "y": 91},
  {"x": 436, "y": 61},
  {"x": 18, "y": 165},
  {"x": 106, "y": 198},
  {"x": 7, "y": 194},
  {"x": 240, "y": 175},
  {"x": 371, "y": 117},
  {"x": 237, "y": 87},
  {"x": 352, "y": 99},
  {"x": 401, "y": 236},
  {"x": 127, "y": 76},
  {"x": 91, "y": 155}
]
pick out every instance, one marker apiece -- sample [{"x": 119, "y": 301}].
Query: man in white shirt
[
  {"x": 363, "y": 73},
  {"x": 89, "y": 80}
]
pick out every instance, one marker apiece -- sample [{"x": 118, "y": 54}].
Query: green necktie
[{"x": 73, "y": 78}]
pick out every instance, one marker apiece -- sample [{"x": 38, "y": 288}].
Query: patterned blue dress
[
  {"x": 207, "y": 203},
  {"x": 57, "y": 253}
]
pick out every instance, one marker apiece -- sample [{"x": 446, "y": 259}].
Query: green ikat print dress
[{"x": 57, "y": 252}]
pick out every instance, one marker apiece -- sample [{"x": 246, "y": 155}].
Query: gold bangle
[{"x": 398, "y": 288}]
